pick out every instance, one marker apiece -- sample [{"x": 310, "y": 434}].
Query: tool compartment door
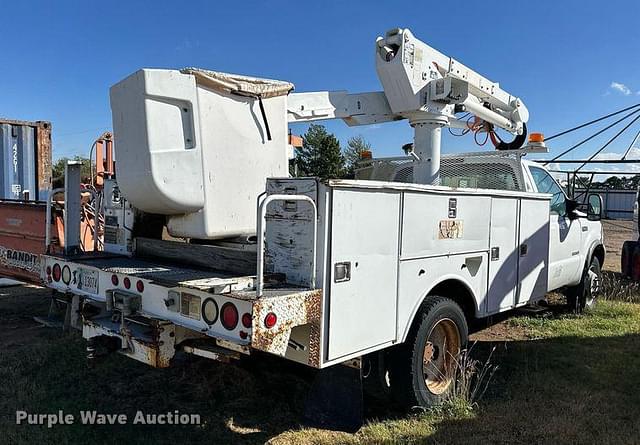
[
  {"x": 503, "y": 254},
  {"x": 364, "y": 267}
]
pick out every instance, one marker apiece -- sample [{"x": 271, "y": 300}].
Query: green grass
[
  {"x": 573, "y": 380},
  {"x": 619, "y": 288},
  {"x": 610, "y": 319}
]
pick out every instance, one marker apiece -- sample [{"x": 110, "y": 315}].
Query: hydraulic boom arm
[{"x": 425, "y": 87}]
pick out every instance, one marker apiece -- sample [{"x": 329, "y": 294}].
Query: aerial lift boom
[{"x": 425, "y": 87}]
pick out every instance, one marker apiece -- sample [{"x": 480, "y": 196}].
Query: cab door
[{"x": 565, "y": 233}]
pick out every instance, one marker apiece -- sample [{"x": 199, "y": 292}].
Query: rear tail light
[
  {"x": 114, "y": 280},
  {"x": 140, "y": 286},
  {"x": 210, "y": 311},
  {"x": 66, "y": 275},
  {"x": 48, "y": 270},
  {"x": 243, "y": 335},
  {"x": 127, "y": 283},
  {"x": 57, "y": 272},
  {"x": 229, "y": 316},
  {"x": 246, "y": 321},
  {"x": 270, "y": 320}
]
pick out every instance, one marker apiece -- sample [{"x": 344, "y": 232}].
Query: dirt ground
[{"x": 616, "y": 232}]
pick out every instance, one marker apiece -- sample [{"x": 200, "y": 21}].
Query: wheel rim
[
  {"x": 439, "y": 356},
  {"x": 594, "y": 286}
]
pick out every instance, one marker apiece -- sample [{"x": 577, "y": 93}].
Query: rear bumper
[
  {"x": 168, "y": 319},
  {"x": 153, "y": 344}
]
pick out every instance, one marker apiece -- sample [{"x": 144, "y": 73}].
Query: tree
[
  {"x": 613, "y": 182},
  {"x": 355, "y": 146},
  {"x": 320, "y": 154},
  {"x": 57, "y": 170}
]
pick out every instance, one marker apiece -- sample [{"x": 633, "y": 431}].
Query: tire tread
[{"x": 402, "y": 369}]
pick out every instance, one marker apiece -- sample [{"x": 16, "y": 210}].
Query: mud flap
[{"x": 335, "y": 400}]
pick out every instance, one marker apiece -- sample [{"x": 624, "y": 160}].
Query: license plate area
[{"x": 88, "y": 280}]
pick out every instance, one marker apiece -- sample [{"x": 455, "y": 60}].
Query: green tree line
[{"x": 322, "y": 156}]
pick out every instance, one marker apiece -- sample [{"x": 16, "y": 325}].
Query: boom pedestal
[{"x": 426, "y": 146}]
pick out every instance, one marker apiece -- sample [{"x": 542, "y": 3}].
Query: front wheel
[
  {"x": 583, "y": 297},
  {"x": 423, "y": 368}
]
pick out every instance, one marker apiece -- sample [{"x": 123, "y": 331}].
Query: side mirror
[{"x": 594, "y": 212}]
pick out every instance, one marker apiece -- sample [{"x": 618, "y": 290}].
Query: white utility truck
[{"x": 396, "y": 262}]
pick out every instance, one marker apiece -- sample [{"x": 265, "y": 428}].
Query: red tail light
[
  {"x": 246, "y": 321},
  {"x": 270, "y": 320},
  {"x": 229, "y": 316},
  {"x": 127, "y": 283},
  {"x": 140, "y": 286},
  {"x": 57, "y": 272},
  {"x": 48, "y": 270},
  {"x": 114, "y": 280}
]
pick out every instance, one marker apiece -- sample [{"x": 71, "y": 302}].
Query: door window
[{"x": 546, "y": 184}]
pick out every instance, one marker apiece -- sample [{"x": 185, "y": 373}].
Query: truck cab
[{"x": 575, "y": 236}]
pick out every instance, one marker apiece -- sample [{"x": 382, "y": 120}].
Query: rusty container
[
  {"x": 25, "y": 182},
  {"x": 25, "y": 160}
]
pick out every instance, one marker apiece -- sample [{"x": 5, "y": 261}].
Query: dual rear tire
[{"x": 422, "y": 370}]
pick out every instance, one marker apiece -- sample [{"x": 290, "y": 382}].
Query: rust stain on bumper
[
  {"x": 296, "y": 309},
  {"x": 156, "y": 351}
]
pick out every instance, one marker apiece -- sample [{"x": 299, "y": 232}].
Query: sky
[{"x": 569, "y": 61}]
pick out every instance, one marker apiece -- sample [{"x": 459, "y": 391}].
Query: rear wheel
[
  {"x": 423, "y": 368},
  {"x": 584, "y": 296}
]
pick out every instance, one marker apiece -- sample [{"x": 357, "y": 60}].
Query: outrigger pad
[{"x": 335, "y": 400}]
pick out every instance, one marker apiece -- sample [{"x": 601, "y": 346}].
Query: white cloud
[
  {"x": 624, "y": 169},
  {"x": 608, "y": 156},
  {"x": 554, "y": 166},
  {"x": 621, "y": 88},
  {"x": 634, "y": 153}
]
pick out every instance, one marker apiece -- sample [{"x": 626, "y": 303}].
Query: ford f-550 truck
[{"x": 321, "y": 272}]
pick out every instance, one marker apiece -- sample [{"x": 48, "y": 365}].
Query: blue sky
[{"x": 561, "y": 57}]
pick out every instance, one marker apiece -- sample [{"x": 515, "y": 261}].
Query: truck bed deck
[
  {"x": 170, "y": 274},
  {"x": 165, "y": 273}
]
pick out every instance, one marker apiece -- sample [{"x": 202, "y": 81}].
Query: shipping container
[
  {"x": 25, "y": 182},
  {"x": 617, "y": 204},
  {"x": 25, "y": 160}
]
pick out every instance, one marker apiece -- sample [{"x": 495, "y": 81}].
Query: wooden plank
[{"x": 210, "y": 257}]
